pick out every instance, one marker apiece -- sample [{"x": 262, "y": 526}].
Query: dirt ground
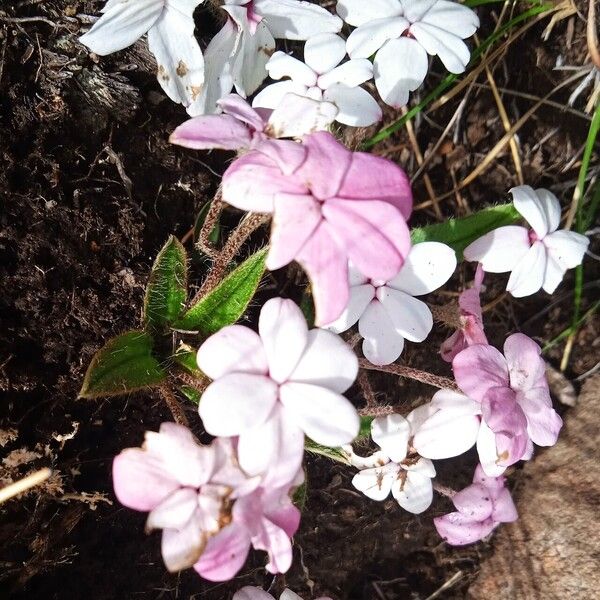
[{"x": 90, "y": 189}]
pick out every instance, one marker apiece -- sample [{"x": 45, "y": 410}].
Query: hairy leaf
[
  {"x": 228, "y": 301},
  {"x": 167, "y": 287},
  {"x": 125, "y": 364}
]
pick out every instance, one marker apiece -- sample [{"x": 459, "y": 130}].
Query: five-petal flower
[
  {"x": 481, "y": 507},
  {"x": 387, "y": 311},
  {"x": 537, "y": 258},
  {"x": 323, "y": 78},
  {"x": 401, "y": 33}
]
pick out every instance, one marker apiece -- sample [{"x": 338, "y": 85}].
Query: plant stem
[
  {"x": 410, "y": 373},
  {"x": 174, "y": 406},
  {"x": 444, "y": 490},
  {"x": 212, "y": 216}
]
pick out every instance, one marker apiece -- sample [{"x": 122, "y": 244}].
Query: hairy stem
[
  {"x": 212, "y": 216},
  {"x": 174, "y": 406},
  {"x": 444, "y": 490}
]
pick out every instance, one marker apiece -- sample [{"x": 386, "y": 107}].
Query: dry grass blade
[{"x": 18, "y": 487}]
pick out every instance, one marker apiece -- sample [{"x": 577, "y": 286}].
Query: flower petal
[
  {"x": 327, "y": 361},
  {"x": 415, "y": 493},
  {"x": 451, "y": 50},
  {"x": 359, "y": 12},
  {"x": 181, "y": 548},
  {"x": 284, "y": 334},
  {"x": 479, "y": 368},
  {"x": 273, "y": 95},
  {"x": 500, "y": 250},
  {"x": 360, "y": 297},
  {"x": 526, "y": 366},
  {"x": 444, "y": 435},
  {"x": 356, "y": 107},
  {"x": 412, "y": 318},
  {"x": 252, "y": 593},
  {"x": 488, "y": 452},
  {"x": 237, "y": 402},
  {"x": 474, "y": 502},
  {"x": 352, "y": 73},
  {"x": 565, "y": 250},
  {"x": 528, "y": 276},
  {"x": 543, "y": 422},
  {"x": 325, "y": 416},
  {"x": 364, "y": 41},
  {"x": 174, "y": 511},
  {"x": 451, "y": 16},
  {"x": 237, "y": 107},
  {"x": 458, "y": 530},
  {"x": 505, "y": 510},
  {"x": 233, "y": 349},
  {"x": 382, "y": 343},
  {"x": 376, "y": 483},
  {"x": 297, "y": 115},
  {"x": 427, "y": 267},
  {"x": 540, "y": 208},
  {"x": 324, "y": 52},
  {"x": 283, "y": 65},
  {"x": 212, "y": 131},
  {"x": 400, "y": 67},
  {"x": 391, "y": 434}
]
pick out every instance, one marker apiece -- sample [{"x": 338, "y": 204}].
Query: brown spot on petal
[
  {"x": 268, "y": 51},
  {"x": 162, "y": 73},
  {"x": 181, "y": 69},
  {"x": 196, "y": 90}
]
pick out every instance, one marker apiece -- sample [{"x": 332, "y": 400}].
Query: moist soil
[{"x": 90, "y": 189}]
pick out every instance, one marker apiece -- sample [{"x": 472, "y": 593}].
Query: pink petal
[
  {"x": 505, "y": 510},
  {"x": 238, "y": 107},
  {"x": 277, "y": 544},
  {"x": 494, "y": 484},
  {"x": 286, "y": 154},
  {"x": 284, "y": 334},
  {"x": 232, "y": 349},
  {"x": 474, "y": 502},
  {"x": 501, "y": 250},
  {"x": 375, "y": 235},
  {"x": 327, "y": 361},
  {"x": 212, "y": 131},
  {"x": 458, "y": 530},
  {"x": 479, "y": 368},
  {"x": 280, "y": 510},
  {"x": 253, "y": 180},
  {"x": 543, "y": 422},
  {"x": 252, "y": 593},
  {"x": 374, "y": 178},
  {"x": 327, "y": 267},
  {"x": 181, "y": 548},
  {"x": 326, "y": 165},
  {"x": 237, "y": 402},
  {"x": 140, "y": 480},
  {"x": 325, "y": 416},
  {"x": 525, "y": 364},
  {"x": 295, "y": 219},
  {"x": 224, "y": 554}
]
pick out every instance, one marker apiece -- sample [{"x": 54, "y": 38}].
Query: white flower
[
  {"x": 403, "y": 473},
  {"x": 322, "y": 77},
  {"x": 273, "y": 387},
  {"x": 537, "y": 258},
  {"x": 402, "y": 33},
  {"x": 237, "y": 55},
  {"x": 387, "y": 312},
  {"x": 170, "y": 28}
]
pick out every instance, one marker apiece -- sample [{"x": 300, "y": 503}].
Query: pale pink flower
[
  {"x": 471, "y": 319},
  {"x": 255, "y": 593},
  {"x": 481, "y": 507},
  {"x": 329, "y": 206},
  {"x": 241, "y": 127},
  {"x": 536, "y": 258},
  {"x": 388, "y": 311},
  {"x": 273, "y": 387},
  {"x": 183, "y": 485}
]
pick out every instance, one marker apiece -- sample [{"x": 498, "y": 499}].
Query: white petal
[
  {"x": 236, "y": 403},
  {"x": 457, "y": 404},
  {"x": 367, "y": 39},
  {"x": 327, "y": 361},
  {"x": 180, "y": 62},
  {"x": 528, "y": 276},
  {"x": 360, "y": 297},
  {"x": 351, "y": 73},
  {"x": 445, "y": 435},
  {"x": 359, "y": 12},
  {"x": 296, "y": 116},
  {"x": 419, "y": 415},
  {"x": 122, "y": 24},
  {"x": 273, "y": 95},
  {"x": 452, "y": 51},
  {"x": 175, "y": 511},
  {"x": 540, "y": 208},
  {"x": 411, "y": 317},
  {"x": 450, "y": 16},
  {"x": 382, "y": 344},
  {"x": 356, "y": 107},
  {"x": 283, "y": 65},
  {"x": 283, "y": 330},
  {"x": 415, "y": 493},
  {"x": 391, "y": 434},
  {"x": 324, "y": 52},
  {"x": 415, "y": 10},
  {"x": 295, "y": 20},
  {"x": 400, "y": 68},
  {"x": 325, "y": 416},
  {"x": 567, "y": 248},
  {"x": 376, "y": 483},
  {"x": 423, "y": 466},
  {"x": 427, "y": 267},
  {"x": 377, "y": 459},
  {"x": 488, "y": 455},
  {"x": 182, "y": 548},
  {"x": 500, "y": 250}
]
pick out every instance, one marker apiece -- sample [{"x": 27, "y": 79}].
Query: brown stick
[
  {"x": 174, "y": 406},
  {"x": 410, "y": 373}
]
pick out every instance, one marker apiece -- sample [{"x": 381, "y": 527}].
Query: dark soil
[{"x": 90, "y": 189}]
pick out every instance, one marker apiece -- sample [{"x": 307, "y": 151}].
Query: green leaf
[
  {"x": 336, "y": 454},
  {"x": 459, "y": 233},
  {"x": 167, "y": 288},
  {"x": 192, "y": 394},
  {"x": 186, "y": 358},
  {"x": 228, "y": 301},
  {"x": 125, "y": 364},
  {"x": 300, "y": 495},
  {"x": 365, "y": 427}
]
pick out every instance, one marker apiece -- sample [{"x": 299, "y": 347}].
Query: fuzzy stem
[
  {"x": 174, "y": 406},
  {"x": 410, "y": 373},
  {"x": 212, "y": 216},
  {"x": 367, "y": 390},
  {"x": 377, "y": 411},
  {"x": 444, "y": 490}
]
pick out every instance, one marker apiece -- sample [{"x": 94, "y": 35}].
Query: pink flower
[
  {"x": 481, "y": 507},
  {"x": 273, "y": 387},
  {"x": 266, "y": 519},
  {"x": 471, "y": 318},
  {"x": 242, "y": 127},
  {"x": 329, "y": 206},
  {"x": 254, "y": 593},
  {"x": 184, "y": 486}
]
